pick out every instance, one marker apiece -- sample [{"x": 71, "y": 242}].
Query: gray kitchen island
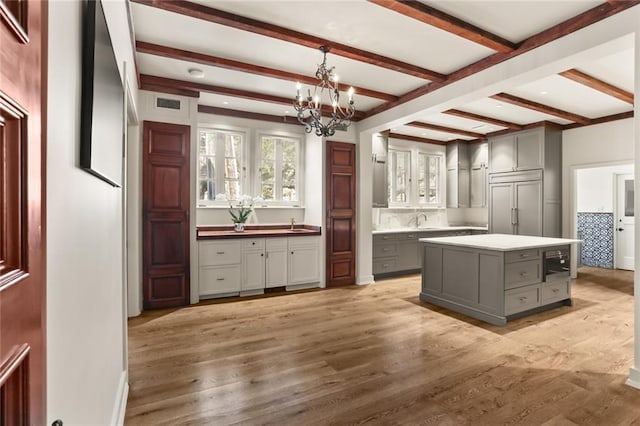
[{"x": 496, "y": 277}]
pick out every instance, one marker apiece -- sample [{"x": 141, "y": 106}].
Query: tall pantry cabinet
[{"x": 525, "y": 182}]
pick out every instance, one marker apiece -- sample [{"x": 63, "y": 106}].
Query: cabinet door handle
[
  {"x": 291, "y": 252},
  {"x": 219, "y": 252},
  {"x": 261, "y": 254},
  {"x": 512, "y": 210},
  {"x": 516, "y": 211}
]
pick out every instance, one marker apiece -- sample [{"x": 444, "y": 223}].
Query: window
[
  {"x": 429, "y": 178},
  {"x": 399, "y": 176},
  {"x": 220, "y": 166},
  {"x": 279, "y": 169}
]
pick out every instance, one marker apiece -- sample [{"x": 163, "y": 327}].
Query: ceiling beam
[
  {"x": 236, "y": 93},
  {"x": 482, "y": 118},
  {"x": 214, "y": 61},
  {"x": 445, "y": 129},
  {"x": 560, "y": 30},
  {"x": 600, "y": 120},
  {"x": 599, "y": 85},
  {"x": 221, "y": 17},
  {"x": 168, "y": 89},
  {"x": 535, "y": 106},
  {"x": 451, "y": 24},
  {"x": 416, "y": 139},
  {"x": 250, "y": 115}
]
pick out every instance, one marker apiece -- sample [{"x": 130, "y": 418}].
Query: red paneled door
[
  {"x": 166, "y": 198},
  {"x": 341, "y": 214},
  {"x": 23, "y": 77}
]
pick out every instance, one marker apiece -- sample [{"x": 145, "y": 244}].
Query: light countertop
[
  {"x": 429, "y": 229},
  {"x": 500, "y": 242}
]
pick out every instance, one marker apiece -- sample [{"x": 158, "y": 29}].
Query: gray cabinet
[
  {"x": 516, "y": 203},
  {"x": 525, "y": 183},
  {"x": 457, "y": 175},
  {"x": 517, "y": 151},
  {"x": 379, "y": 173},
  {"x": 478, "y": 156},
  {"x": 400, "y": 253}
]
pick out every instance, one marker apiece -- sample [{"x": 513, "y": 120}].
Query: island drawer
[
  {"x": 385, "y": 249},
  {"x": 521, "y": 299},
  {"x": 522, "y": 273},
  {"x": 520, "y": 255},
  {"x": 555, "y": 290},
  {"x": 382, "y": 266}
]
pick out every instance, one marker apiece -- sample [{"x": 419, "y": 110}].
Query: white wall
[
  {"x": 86, "y": 325},
  {"x": 595, "y": 188},
  {"x": 586, "y": 147}
]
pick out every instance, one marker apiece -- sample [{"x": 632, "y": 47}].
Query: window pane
[
  {"x": 267, "y": 191},
  {"x": 267, "y": 174},
  {"x": 268, "y": 149},
  {"x": 231, "y": 168},
  {"x": 399, "y": 175},
  {"x": 434, "y": 179},
  {"x": 628, "y": 198},
  {"x": 422, "y": 183},
  {"x": 289, "y": 151},
  {"x": 232, "y": 189}
]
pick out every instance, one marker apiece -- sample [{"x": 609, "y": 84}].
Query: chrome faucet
[
  {"x": 293, "y": 222},
  {"x": 418, "y": 216}
]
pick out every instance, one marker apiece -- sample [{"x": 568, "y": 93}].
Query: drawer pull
[
  {"x": 410, "y": 236},
  {"x": 385, "y": 249},
  {"x": 524, "y": 274},
  {"x": 522, "y": 299},
  {"x": 385, "y": 265},
  {"x": 524, "y": 255},
  {"x": 219, "y": 279},
  {"x": 555, "y": 290},
  {"x": 219, "y": 252}
]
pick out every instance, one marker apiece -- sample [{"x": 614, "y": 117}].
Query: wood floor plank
[{"x": 376, "y": 354}]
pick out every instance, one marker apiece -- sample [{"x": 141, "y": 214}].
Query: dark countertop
[{"x": 256, "y": 231}]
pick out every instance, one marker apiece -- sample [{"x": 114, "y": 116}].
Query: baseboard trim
[
  {"x": 634, "y": 378},
  {"x": 120, "y": 407},
  {"x": 364, "y": 280}
]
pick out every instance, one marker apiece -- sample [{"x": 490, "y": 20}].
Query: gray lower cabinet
[
  {"x": 399, "y": 253},
  {"x": 490, "y": 285}
]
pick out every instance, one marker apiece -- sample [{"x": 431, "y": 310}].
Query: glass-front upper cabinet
[{"x": 429, "y": 179}]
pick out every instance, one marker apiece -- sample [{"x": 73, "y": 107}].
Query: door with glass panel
[{"x": 625, "y": 222}]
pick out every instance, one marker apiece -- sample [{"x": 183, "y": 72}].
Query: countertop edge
[
  {"x": 441, "y": 229},
  {"x": 565, "y": 241}
]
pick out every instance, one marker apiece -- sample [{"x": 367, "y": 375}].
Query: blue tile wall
[{"x": 596, "y": 230}]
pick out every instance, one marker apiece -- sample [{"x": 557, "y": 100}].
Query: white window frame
[
  {"x": 441, "y": 179},
  {"x": 277, "y": 167},
  {"x": 409, "y": 188},
  {"x": 219, "y": 165}
]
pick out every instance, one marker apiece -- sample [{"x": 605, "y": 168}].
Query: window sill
[{"x": 267, "y": 207}]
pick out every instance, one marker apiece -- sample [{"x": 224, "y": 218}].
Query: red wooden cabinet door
[
  {"x": 166, "y": 199},
  {"x": 341, "y": 214},
  {"x": 23, "y": 76}
]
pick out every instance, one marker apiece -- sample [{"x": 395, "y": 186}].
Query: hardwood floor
[{"x": 376, "y": 354}]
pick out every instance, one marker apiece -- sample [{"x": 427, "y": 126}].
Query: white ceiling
[{"x": 375, "y": 29}]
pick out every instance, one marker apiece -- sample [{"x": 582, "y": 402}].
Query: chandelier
[{"x": 311, "y": 110}]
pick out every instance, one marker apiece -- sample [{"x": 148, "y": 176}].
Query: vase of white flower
[{"x": 240, "y": 211}]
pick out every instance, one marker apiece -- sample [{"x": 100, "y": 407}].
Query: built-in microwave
[{"x": 556, "y": 264}]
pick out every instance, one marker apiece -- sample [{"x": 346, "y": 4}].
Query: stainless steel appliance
[{"x": 556, "y": 264}]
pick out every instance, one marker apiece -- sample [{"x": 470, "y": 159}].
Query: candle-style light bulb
[
  {"x": 351, "y": 92},
  {"x": 298, "y": 87},
  {"x": 335, "y": 105},
  {"x": 317, "y": 100},
  {"x": 335, "y": 78}
]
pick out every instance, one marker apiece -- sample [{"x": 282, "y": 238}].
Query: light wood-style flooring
[{"x": 376, "y": 354}]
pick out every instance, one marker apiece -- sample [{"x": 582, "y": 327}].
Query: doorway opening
[{"x": 603, "y": 218}]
